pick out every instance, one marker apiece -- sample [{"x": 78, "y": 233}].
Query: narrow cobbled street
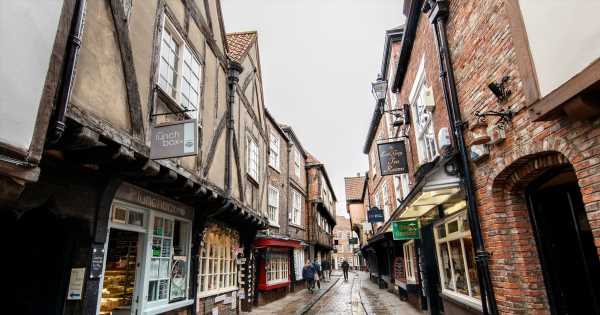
[{"x": 358, "y": 295}]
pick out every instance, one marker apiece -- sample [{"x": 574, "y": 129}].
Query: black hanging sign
[
  {"x": 392, "y": 158},
  {"x": 375, "y": 215}
]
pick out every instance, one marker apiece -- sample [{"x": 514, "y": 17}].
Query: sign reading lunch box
[
  {"x": 174, "y": 139},
  {"x": 392, "y": 158}
]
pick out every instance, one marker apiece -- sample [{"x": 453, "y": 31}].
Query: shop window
[
  {"x": 277, "y": 266},
  {"x": 409, "y": 261},
  {"x": 296, "y": 213},
  {"x": 298, "y": 262},
  {"x": 218, "y": 268},
  {"x": 274, "y": 151},
  {"x": 179, "y": 72},
  {"x": 456, "y": 257},
  {"x": 166, "y": 240},
  {"x": 273, "y": 205}
]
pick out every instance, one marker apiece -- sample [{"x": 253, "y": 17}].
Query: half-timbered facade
[{"x": 143, "y": 236}]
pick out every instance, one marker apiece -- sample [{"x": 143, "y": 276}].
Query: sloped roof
[
  {"x": 355, "y": 187},
  {"x": 310, "y": 159},
  {"x": 238, "y": 44}
]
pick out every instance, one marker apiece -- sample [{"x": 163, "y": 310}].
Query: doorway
[
  {"x": 119, "y": 296},
  {"x": 565, "y": 243}
]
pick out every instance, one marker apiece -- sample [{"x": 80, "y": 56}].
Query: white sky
[{"x": 318, "y": 59}]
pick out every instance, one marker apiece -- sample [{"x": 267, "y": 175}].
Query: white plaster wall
[
  {"x": 564, "y": 38},
  {"x": 27, "y": 32}
]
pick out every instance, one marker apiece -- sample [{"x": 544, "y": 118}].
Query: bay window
[
  {"x": 179, "y": 72},
  {"x": 217, "y": 268},
  {"x": 456, "y": 258},
  {"x": 273, "y": 205},
  {"x": 274, "y": 151},
  {"x": 277, "y": 266}
]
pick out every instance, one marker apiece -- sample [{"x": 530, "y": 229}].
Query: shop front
[
  {"x": 277, "y": 267},
  {"x": 146, "y": 257}
]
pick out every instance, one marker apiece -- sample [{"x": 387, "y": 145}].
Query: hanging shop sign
[
  {"x": 353, "y": 240},
  {"x": 174, "y": 139},
  {"x": 405, "y": 230},
  {"x": 375, "y": 215},
  {"x": 392, "y": 158}
]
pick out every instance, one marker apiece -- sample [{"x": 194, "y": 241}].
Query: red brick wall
[{"x": 481, "y": 45}]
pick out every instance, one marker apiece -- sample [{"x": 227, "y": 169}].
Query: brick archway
[{"x": 514, "y": 265}]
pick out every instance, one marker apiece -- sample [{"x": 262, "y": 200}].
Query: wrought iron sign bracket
[{"x": 505, "y": 116}]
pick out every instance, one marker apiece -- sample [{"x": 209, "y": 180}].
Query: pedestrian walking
[
  {"x": 317, "y": 267},
  {"x": 308, "y": 273},
  {"x": 345, "y": 267},
  {"x": 326, "y": 266}
]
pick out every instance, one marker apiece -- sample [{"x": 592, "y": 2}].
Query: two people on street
[
  {"x": 308, "y": 273},
  {"x": 345, "y": 267}
]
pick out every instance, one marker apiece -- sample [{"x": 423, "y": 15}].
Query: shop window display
[{"x": 456, "y": 258}]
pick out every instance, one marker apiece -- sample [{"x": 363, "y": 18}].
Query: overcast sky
[{"x": 318, "y": 59}]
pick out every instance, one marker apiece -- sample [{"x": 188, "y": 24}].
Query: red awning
[{"x": 274, "y": 242}]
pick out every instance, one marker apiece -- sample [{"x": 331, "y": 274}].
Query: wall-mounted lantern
[
  {"x": 379, "y": 88},
  {"x": 479, "y": 133}
]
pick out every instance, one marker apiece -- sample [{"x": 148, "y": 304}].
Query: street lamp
[{"x": 379, "y": 88}]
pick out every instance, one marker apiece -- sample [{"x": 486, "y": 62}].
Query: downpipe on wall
[
  {"x": 438, "y": 11},
  {"x": 68, "y": 75}
]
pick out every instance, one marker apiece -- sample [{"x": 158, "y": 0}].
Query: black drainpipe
[
  {"x": 438, "y": 11},
  {"x": 233, "y": 73},
  {"x": 68, "y": 75}
]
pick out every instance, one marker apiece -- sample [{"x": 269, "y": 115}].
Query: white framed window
[
  {"x": 273, "y": 205},
  {"x": 298, "y": 262},
  {"x": 274, "y": 144},
  {"x": 409, "y": 261},
  {"x": 277, "y": 266},
  {"x": 456, "y": 259},
  {"x": 164, "y": 253},
  {"x": 378, "y": 202},
  {"x": 374, "y": 160},
  {"x": 401, "y": 186},
  {"x": 179, "y": 72},
  {"x": 296, "y": 213},
  {"x": 252, "y": 157},
  {"x": 218, "y": 267},
  {"x": 297, "y": 163},
  {"x": 422, "y": 103}
]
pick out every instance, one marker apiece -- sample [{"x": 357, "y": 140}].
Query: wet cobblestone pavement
[{"x": 357, "y": 296}]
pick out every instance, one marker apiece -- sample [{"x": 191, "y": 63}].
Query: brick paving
[{"x": 357, "y": 296}]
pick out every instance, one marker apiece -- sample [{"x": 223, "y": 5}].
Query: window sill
[
  {"x": 216, "y": 292},
  {"x": 297, "y": 226},
  {"x": 462, "y": 300},
  {"x": 167, "y": 307},
  {"x": 276, "y": 169},
  {"x": 274, "y": 224}
]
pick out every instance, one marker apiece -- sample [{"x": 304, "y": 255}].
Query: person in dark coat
[
  {"x": 317, "y": 267},
  {"x": 326, "y": 266},
  {"x": 345, "y": 267},
  {"x": 308, "y": 273}
]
